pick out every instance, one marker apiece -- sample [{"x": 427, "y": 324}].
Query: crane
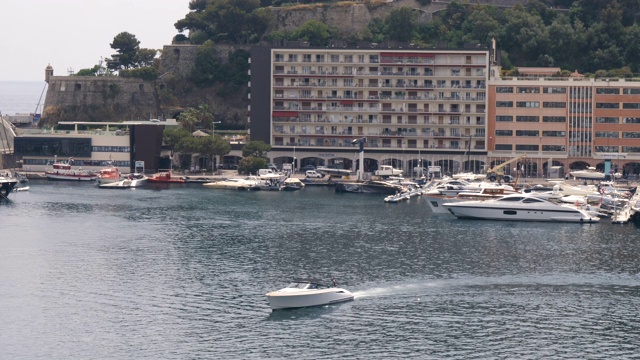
[{"x": 494, "y": 173}]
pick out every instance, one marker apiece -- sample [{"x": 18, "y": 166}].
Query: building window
[
  {"x": 535, "y": 133},
  {"x": 504, "y": 132},
  {"x": 607, "y": 134},
  {"x": 560, "y": 119},
  {"x": 528, "y": 90},
  {"x": 554, "y": 133},
  {"x": 527, "y": 147},
  {"x": 607, "y": 106},
  {"x": 606, "y": 120},
  {"x": 504, "y": 118},
  {"x": 554, "y": 90},
  {"x": 630, "y": 135},
  {"x": 608, "y": 91},
  {"x": 528, "y": 104},
  {"x": 504, "y": 89},
  {"x": 504, "y": 103},
  {"x": 634, "y": 106},
  {"x": 554, "y": 148},
  {"x": 554, "y": 105},
  {"x": 522, "y": 118},
  {"x": 630, "y": 120},
  {"x": 631, "y": 91},
  {"x": 504, "y": 147},
  {"x": 631, "y": 149}
]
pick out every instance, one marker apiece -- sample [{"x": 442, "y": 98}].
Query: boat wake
[
  {"x": 404, "y": 289},
  {"x": 537, "y": 281}
]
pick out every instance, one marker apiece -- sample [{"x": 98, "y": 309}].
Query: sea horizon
[{"x": 21, "y": 97}]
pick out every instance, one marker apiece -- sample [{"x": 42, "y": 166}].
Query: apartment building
[
  {"x": 573, "y": 122},
  {"x": 415, "y": 107}
]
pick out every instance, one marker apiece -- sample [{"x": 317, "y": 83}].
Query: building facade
[
  {"x": 414, "y": 107},
  {"x": 573, "y": 122}
]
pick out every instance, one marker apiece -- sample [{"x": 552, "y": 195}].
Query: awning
[{"x": 285, "y": 114}]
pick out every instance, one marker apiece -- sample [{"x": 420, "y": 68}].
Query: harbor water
[{"x": 180, "y": 271}]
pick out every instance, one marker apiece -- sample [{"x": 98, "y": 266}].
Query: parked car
[
  {"x": 307, "y": 167},
  {"x": 313, "y": 174}
]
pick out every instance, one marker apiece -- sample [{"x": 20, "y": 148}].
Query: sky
[{"x": 75, "y": 34}]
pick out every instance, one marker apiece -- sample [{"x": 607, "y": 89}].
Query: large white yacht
[
  {"x": 306, "y": 293},
  {"x": 520, "y": 207}
]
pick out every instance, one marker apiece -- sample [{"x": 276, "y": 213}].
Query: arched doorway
[
  {"x": 396, "y": 163},
  {"x": 446, "y": 166},
  {"x": 340, "y": 163},
  {"x": 315, "y": 161},
  {"x": 631, "y": 170},
  {"x": 579, "y": 165}
]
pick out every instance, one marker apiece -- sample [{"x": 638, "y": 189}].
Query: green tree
[
  {"x": 256, "y": 148},
  {"x": 212, "y": 146},
  {"x": 145, "y": 57},
  {"x": 194, "y": 118},
  {"x": 126, "y": 46},
  {"x": 148, "y": 73},
  {"x": 315, "y": 32},
  {"x": 171, "y": 137},
  {"x": 187, "y": 146},
  {"x": 239, "y": 21},
  {"x": 206, "y": 70},
  {"x": 89, "y": 72},
  {"x": 234, "y": 73},
  {"x": 400, "y": 24},
  {"x": 632, "y": 50},
  {"x": 251, "y": 165}
]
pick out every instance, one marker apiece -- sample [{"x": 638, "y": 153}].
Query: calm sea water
[
  {"x": 181, "y": 272},
  {"x": 21, "y": 97}
]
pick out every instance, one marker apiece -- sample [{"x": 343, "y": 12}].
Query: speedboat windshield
[{"x": 296, "y": 285}]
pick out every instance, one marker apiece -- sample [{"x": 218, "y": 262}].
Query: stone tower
[{"x": 48, "y": 73}]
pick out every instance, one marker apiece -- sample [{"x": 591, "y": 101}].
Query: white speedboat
[
  {"x": 306, "y": 293},
  {"x": 589, "y": 173},
  {"x": 137, "y": 179},
  {"x": 519, "y": 207},
  {"x": 121, "y": 184},
  {"x": 247, "y": 183}
]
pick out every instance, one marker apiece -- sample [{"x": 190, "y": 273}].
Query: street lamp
[
  {"x": 213, "y": 127},
  {"x": 213, "y": 134}
]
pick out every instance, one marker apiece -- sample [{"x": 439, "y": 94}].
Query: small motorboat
[
  {"x": 122, "y": 184},
  {"x": 305, "y": 293}
]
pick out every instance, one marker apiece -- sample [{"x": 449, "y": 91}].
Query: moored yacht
[
  {"x": 247, "y": 183},
  {"x": 306, "y": 293},
  {"x": 7, "y": 184},
  {"x": 590, "y": 173},
  {"x": 61, "y": 170},
  {"x": 520, "y": 207}
]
